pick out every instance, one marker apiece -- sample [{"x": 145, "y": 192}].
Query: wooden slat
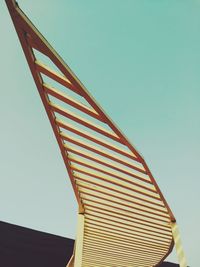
[
  {"x": 41, "y": 67},
  {"x": 121, "y": 240},
  {"x": 110, "y": 225},
  {"x": 71, "y": 115},
  {"x": 128, "y": 223},
  {"x": 92, "y": 264},
  {"x": 128, "y": 234},
  {"x": 90, "y": 182},
  {"x": 110, "y": 208},
  {"x": 99, "y": 249},
  {"x": 129, "y": 219},
  {"x": 70, "y": 101},
  {"x": 117, "y": 244},
  {"x": 101, "y": 152},
  {"x": 103, "y": 264},
  {"x": 115, "y": 174},
  {"x": 112, "y": 199},
  {"x": 89, "y": 264},
  {"x": 112, "y": 257},
  {"x": 111, "y": 165},
  {"x": 120, "y": 257},
  {"x": 123, "y": 229},
  {"x": 155, "y": 200},
  {"x": 111, "y": 232},
  {"x": 95, "y": 200},
  {"x": 123, "y": 224},
  {"x": 112, "y": 263},
  {"x": 116, "y": 251},
  {"x": 119, "y": 194},
  {"x": 132, "y": 187},
  {"x": 117, "y": 261},
  {"x": 95, "y": 139}
]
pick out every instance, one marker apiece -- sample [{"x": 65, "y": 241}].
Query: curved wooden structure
[
  {"x": 25, "y": 247},
  {"x": 124, "y": 220}
]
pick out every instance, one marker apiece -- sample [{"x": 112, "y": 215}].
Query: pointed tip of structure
[{"x": 12, "y": 3}]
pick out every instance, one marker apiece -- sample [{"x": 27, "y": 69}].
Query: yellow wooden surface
[
  {"x": 178, "y": 245},
  {"x": 79, "y": 241}
]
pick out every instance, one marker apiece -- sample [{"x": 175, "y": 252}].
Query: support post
[
  {"x": 79, "y": 241},
  {"x": 178, "y": 245}
]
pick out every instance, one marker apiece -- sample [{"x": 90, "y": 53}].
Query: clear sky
[{"x": 141, "y": 60}]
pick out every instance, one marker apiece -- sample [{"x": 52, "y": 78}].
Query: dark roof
[
  {"x": 20, "y": 247},
  {"x": 169, "y": 264},
  {"x": 23, "y": 247}
]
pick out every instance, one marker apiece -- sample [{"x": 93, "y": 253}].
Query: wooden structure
[
  {"x": 24, "y": 247},
  {"x": 123, "y": 219}
]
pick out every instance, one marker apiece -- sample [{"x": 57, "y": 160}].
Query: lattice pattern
[{"x": 127, "y": 220}]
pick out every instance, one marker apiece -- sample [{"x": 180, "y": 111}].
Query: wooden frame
[{"x": 120, "y": 204}]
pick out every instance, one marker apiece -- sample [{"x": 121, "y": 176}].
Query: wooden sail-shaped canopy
[{"x": 124, "y": 220}]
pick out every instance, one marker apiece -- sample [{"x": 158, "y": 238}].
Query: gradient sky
[{"x": 141, "y": 61}]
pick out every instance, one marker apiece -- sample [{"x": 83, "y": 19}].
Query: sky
[{"x": 140, "y": 59}]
